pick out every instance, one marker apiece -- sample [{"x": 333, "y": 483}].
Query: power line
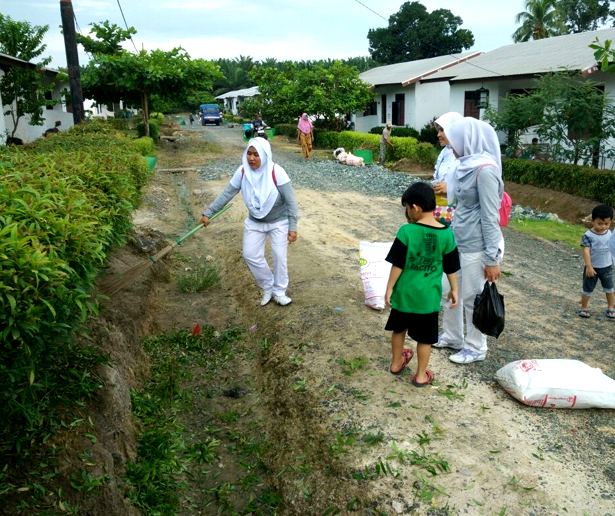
[
  {"x": 468, "y": 61},
  {"x": 126, "y": 24},
  {"x": 370, "y": 9}
]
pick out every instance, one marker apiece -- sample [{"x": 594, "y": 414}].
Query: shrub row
[
  {"x": 577, "y": 180},
  {"x": 423, "y": 154},
  {"x": 65, "y": 202}
]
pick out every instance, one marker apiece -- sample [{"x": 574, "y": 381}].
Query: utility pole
[{"x": 72, "y": 59}]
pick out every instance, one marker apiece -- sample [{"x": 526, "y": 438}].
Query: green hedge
[
  {"x": 423, "y": 154},
  {"x": 64, "y": 203},
  {"x": 576, "y": 180},
  {"x": 289, "y": 130}
]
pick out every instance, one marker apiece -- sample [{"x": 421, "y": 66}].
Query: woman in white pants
[
  {"x": 476, "y": 187},
  {"x": 272, "y": 214}
]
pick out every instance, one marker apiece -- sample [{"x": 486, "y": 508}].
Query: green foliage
[
  {"x": 201, "y": 278},
  {"x": 582, "y": 16},
  {"x": 516, "y": 113},
  {"x": 107, "y": 38},
  {"x": 64, "y": 203},
  {"x": 568, "y": 234},
  {"x": 541, "y": 19},
  {"x": 169, "y": 76},
  {"x": 429, "y": 134},
  {"x": 143, "y": 145},
  {"x": 328, "y": 92},
  {"x": 422, "y": 153},
  {"x": 397, "y": 131},
  {"x": 570, "y": 113},
  {"x": 414, "y": 33},
  {"x": 23, "y": 89},
  {"x": 154, "y": 130},
  {"x": 286, "y": 129},
  {"x": 573, "y": 179}
]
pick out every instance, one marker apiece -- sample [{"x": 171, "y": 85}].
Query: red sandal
[
  {"x": 430, "y": 377},
  {"x": 407, "y": 355}
]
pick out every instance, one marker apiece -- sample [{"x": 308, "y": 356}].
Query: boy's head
[
  {"x": 420, "y": 194},
  {"x": 602, "y": 216}
]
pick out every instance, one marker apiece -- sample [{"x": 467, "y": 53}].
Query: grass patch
[
  {"x": 201, "y": 278},
  {"x": 173, "y": 460},
  {"x": 561, "y": 232}
]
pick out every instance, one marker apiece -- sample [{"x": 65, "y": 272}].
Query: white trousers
[
  {"x": 471, "y": 280},
  {"x": 255, "y": 236}
]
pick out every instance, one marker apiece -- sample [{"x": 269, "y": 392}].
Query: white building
[
  {"x": 400, "y": 96},
  {"x": 55, "y": 111},
  {"x": 233, "y": 99}
]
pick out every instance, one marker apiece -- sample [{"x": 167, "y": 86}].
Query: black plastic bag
[{"x": 489, "y": 313}]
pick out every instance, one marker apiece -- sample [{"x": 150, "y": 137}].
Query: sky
[{"x": 283, "y": 29}]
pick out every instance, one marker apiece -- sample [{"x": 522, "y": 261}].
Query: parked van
[{"x": 210, "y": 114}]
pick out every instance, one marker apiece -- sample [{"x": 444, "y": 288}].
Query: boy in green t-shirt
[{"x": 423, "y": 249}]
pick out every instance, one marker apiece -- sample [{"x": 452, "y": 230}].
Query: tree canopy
[
  {"x": 328, "y": 92},
  {"x": 540, "y": 20},
  {"x": 584, "y": 15},
  {"x": 414, "y": 33},
  {"x": 23, "y": 89}
]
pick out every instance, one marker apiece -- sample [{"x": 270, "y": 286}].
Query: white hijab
[
  {"x": 447, "y": 161},
  {"x": 446, "y": 119},
  {"x": 258, "y": 189},
  {"x": 476, "y": 144}
]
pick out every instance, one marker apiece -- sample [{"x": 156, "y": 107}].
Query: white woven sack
[
  {"x": 557, "y": 383},
  {"x": 374, "y": 272}
]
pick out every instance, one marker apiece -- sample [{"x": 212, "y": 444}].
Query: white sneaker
[
  {"x": 282, "y": 299},
  {"x": 266, "y": 298},
  {"x": 443, "y": 344},
  {"x": 467, "y": 356}
]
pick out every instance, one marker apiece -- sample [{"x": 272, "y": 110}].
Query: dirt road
[{"x": 371, "y": 440}]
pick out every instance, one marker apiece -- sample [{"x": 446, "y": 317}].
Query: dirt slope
[{"x": 325, "y": 387}]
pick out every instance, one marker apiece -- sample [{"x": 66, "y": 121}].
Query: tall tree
[
  {"x": 541, "y": 19},
  {"x": 326, "y": 92},
  {"x": 414, "y": 33},
  {"x": 22, "y": 88},
  {"x": 134, "y": 78},
  {"x": 584, "y": 15}
]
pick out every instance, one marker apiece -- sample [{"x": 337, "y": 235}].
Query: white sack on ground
[
  {"x": 557, "y": 383},
  {"x": 374, "y": 271}
]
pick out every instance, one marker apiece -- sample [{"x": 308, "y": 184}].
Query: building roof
[
  {"x": 7, "y": 60},
  {"x": 412, "y": 71},
  {"x": 568, "y": 52},
  {"x": 246, "y": 92}
]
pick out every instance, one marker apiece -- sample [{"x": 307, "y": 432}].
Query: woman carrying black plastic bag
[
  {"x": 476, "y": 187},
  {"x": 489, "y": 314}
]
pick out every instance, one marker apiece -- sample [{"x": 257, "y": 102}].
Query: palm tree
[{"x": 541, "y": 19}]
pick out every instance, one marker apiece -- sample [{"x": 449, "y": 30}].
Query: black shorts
[{"x": 421, "y": 327}]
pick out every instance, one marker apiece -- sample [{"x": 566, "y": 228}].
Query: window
[
  {"x": 49, "y": 100},
  {"x": 383, "y": 109},
  {"x": 371, "y": 110}
]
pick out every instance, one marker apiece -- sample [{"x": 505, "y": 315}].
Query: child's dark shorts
[
  {"x": 421, "y": 327},
  {"x": 604, "y": 274}
]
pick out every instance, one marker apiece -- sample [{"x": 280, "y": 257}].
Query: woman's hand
[
  {"x": 440, "y": 188},
  {"x": 492, "y": 273},
  {"x": 204, "y": 220},
  {"x": 292, "y": 236}
]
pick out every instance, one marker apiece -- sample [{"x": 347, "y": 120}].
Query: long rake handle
[{"x": 167, "y": 249}]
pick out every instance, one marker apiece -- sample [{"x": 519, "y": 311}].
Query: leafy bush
[
  {"x": 144, "y": 146},
  {"x": 286, "y": 129},
  {"x": 396, "y": 131},
  {"x": 154, "y": 130},
  {"x": 429, "y": 134},
  {"x": 577, "y": 180},
  {"x": 403, "y": 147},
  {"x": 64, "y": 203}
]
